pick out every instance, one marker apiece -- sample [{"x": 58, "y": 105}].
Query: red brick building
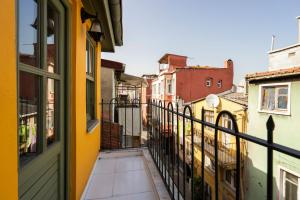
[{"x": 177, "y": 81}]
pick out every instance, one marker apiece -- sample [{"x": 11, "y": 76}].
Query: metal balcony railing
[{"x": 177, "y": 151}]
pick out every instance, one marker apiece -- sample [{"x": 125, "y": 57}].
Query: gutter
[{"x": 115, "y": 7}]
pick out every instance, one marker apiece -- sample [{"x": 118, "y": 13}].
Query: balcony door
[{"x": 41, "y": 86}]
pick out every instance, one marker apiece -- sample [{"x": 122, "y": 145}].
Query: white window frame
[
  {"x": 280, "y": 183},
  {"x": 169, "y": 83},
  {"x": 283, "y": 112},
  {"x": 226, "y": 137}
]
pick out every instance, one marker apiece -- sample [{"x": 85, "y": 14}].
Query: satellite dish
[{"x": 212, "y": 101}]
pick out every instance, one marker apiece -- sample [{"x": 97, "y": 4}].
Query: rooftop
[
  {"x": 236, "y": 97},
  {"x": 293, "y": 71}
]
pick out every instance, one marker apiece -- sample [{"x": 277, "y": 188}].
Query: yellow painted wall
[
  {"x": 8, "y": 102},
  {"x": 241, "y": 117},
  {"x": 85, "y": 146},
  {"x": 234, "y": 108}
]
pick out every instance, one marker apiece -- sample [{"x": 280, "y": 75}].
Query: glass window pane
[
  {"x": 28, "y": 33},
  {"x": 52, "y": 33},
  {"x": 283, "y": 91},
  {"x": 52, "y": 111},
  {"x": 282, "y": 102},
  {"x": 290, "y": 191},
  {"x": 29, "y": 114},
  {"x": 87, "y": 61},
  {"x": 90, "y": 100},
  {"x": 268, "y": 100}
]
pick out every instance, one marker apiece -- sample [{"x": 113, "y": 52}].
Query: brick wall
[{"x": 112, "y": 140}]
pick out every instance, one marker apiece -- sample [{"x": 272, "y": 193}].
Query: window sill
[
  {"x": 286, "y": 113},
  {"x": 91, "y": 125}
]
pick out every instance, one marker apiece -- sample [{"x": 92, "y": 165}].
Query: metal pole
[
  {"x": 270, "y": 128},
  {"x": 202, "y": 155}
]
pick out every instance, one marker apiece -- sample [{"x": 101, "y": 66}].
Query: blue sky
[{"x": 208, "y": 32}]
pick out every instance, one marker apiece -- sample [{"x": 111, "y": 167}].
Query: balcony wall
[{"x": 8, "y": 102}]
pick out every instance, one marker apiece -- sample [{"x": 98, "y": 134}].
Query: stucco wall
[
  {"x": 282, "y": 60},
  {"x": 85, "y": 146},
  {"x": 286, "y": 133},
  {"x": 8, "y": 102},
  {"x": 107, "y": 89}
]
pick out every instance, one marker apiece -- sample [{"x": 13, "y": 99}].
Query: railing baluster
[
  {"x": 184, "y": 163},
  {"x": 125, "y": 124},
  {"x": 270, "y": 128},
  {"x": 178, "y": 147},
  {"x": 164, "y": 147},
  {"x": 216, "y": 162},
  {"x": 202, "y": 155},
  {"x": 132, "y": 104}
]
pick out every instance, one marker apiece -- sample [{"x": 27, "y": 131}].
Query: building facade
[
  {"x": 146, "y": 94},
  {"x": 236, "y": 103},
  {"x": 274, "y": 93},
  {"x": 177, "y": 81},
  {"x": 50, "y": 94}
]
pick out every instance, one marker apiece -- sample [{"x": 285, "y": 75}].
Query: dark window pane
[
  {"x": 52, "y": 111},
  {"x": 52, "y": 32},
  {"x": 28, "y": 32},
  {"x": 282, "y": 102},
  {"x": 291, "y": 191},
  {"x": 29, "y": 112},
  {"x": 90, "y": 100}
]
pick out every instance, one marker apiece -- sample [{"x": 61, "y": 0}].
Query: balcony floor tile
[{"x": 123, "y": 175}]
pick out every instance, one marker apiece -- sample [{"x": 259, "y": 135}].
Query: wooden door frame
[{"x": 67, "y": 90}]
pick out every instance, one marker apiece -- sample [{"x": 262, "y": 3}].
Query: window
[
  {"x": 275, "y": 98},
  {"x": 90, "y": 82},
  {"x": 219, "y": 84},
  {"x": 209, "y": 117},
  {"x": 162, "y": 87},
  {"x": 169, "y": 86},
  {"x": 230, "y": 178},
  {"x": 208, "y": 82},
  {"x": 291, "y": 54},
  {"x": 209, "y": 163},
  {"x": 158, "y": 89},
  {"x": 289, "y": 185},
  {"x": 39, "y": 79},
  {"x": 226, "y": 123}
]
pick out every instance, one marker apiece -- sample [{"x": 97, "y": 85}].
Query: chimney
[
  {"x": 228, "y": 64},
  {"x": 272, "y": 42},
  {"x": 298, "y": 19}
]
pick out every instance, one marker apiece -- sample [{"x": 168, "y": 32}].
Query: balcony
[
  {"x": 125, "y": 175},
  {"x": 175, "y": 159}
]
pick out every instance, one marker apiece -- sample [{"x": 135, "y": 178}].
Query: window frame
[
  {"x": 91, "y": 77},
  {"x": 281, "y": 191},
  {"x": 207, "y": 113},
  {"x": 169, "y": 86},
  {"x": 232, "y": 178},
  {"x": 208, "y": 80},
  {"x": 220, "y": 83},
  {"x": 42, "y": 72},
  {"x": 277, "y": 111}
]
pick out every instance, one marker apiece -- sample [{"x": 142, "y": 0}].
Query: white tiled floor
[{"x": 119, "y": 177}]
